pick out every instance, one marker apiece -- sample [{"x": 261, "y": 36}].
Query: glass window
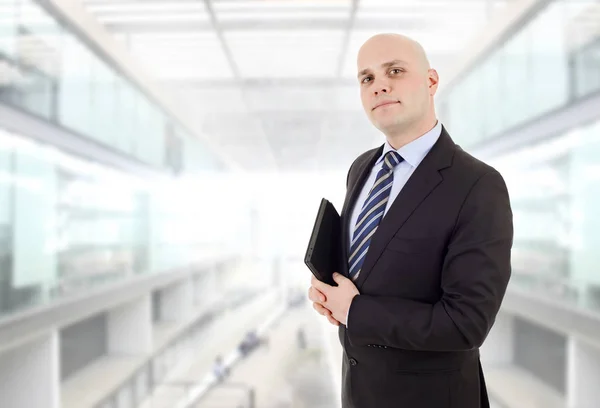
[
  {"x": 554, "y": 188},
  {"x": 586, "y": 66},
  {"x": 145, "y": 136},
  {"x": 584, "y": 189},
  {"x": 120, "y": 116},
  {"x": 34, "y": 92},
  {"x": 74, "y": 98},
  {"x": 156, "y": 135},
  {"x": 6, "y": 228},
  {"x": 472, "y": 105},
  {"x": 66, "y": 224},
  {"x": 459, "y": 111},
  {"x": 102, "y": 101},
  {"x": 128, "y": 105},
  {"x": 47, "y": 70},
  {"x": 34, "y": 217},
  {"x": 39, "y": 39},
  {"x": 549, "y": 63},
  {"x": 8, "y": 27},
  {"x": 37, "y": 53},
  {"x": 492, "y": 91},
  {"x": 516, "y": 71}
]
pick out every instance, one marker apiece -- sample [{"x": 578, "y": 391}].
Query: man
[{"x": 428, "y": 234}]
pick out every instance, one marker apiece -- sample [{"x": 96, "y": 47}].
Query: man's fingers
[
  {"x": 325, "y": 312},
  {"x": 332, "y": 320},
  {"x": 321, "y": 286},
  {"x": 321, "y": 309},
  {"x": 315, "y": 295}
]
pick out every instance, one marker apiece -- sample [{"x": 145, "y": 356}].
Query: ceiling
[{"x": 272, "y": 82}]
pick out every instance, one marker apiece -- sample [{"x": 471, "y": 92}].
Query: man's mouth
[{"x": 384, "y": 104}]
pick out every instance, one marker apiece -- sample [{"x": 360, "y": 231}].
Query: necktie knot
[{"x": 391, "y": 160}]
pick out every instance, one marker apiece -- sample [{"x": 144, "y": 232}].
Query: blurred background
[{"x": 162, "y": 161}]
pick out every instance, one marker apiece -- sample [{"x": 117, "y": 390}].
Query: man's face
[{"x": 394, "y": 83}]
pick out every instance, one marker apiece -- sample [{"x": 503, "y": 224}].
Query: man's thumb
[{"x": 338, "y": 277}]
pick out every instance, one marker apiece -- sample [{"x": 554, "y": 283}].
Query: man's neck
[{"x": 404, "y": 137}]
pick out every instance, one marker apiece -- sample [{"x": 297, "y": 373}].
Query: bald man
[{"x": 427, "y": 233}]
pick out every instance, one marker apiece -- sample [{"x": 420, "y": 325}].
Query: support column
[
  {"x": 30, "y": 374},
  {"x": 177, "y": 301},
  {"x": 130, "y": 327},
  {"x": 583, "y": 375},
  {"x": 498, "y": 348}
]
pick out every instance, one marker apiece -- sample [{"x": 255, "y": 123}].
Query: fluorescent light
[
  {"x": 154, "y": 18},
  {"x": 458, "y": 16},
  {"x": 147, "y": 6},
  {"x": 252, "y": 5},
  {"x": 205, "y": 36},
  {"x": 420, "y": 4},
  {"x": 284, "y": 15}
]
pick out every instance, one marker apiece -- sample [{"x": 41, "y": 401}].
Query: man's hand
[{"x": 333, "y": 301}]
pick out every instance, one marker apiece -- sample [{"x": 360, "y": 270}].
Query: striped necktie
[{"x": 372, "y": 212}]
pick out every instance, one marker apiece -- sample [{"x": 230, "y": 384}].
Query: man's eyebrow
[
  {"x": 384, "y": 65},
  {"x": 363, "y": 72},
  {"x": 392, "y": 62}
]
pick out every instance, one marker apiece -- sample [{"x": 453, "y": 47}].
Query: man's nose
[{"x": 382, "y": 89}]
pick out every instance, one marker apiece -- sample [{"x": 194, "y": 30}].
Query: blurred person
[
  {"x": 427, "y": 232},
  {"x": 220, "y": 370},
  {"x": 249, "y": 343}
]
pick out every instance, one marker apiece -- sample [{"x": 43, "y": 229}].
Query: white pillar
[
  {"x": 130, "y": 327},
  {"x": 29, "y": 374},
  {"x": 583, "y": 374},
  {"x": 498, "y": 347},
  {"x": 176, "y": 301}
]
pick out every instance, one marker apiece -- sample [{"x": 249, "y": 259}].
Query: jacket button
[{"x": 353, "y": 362}]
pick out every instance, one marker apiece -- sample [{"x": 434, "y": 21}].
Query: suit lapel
[
  {"x": 356, "y": 186},
  {"x": 422, "y": 182}
]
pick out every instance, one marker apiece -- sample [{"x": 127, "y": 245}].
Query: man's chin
[{"x": 388, "y": 127}]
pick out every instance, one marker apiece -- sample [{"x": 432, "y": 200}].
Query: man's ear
[{"x": 434, "y": 80}]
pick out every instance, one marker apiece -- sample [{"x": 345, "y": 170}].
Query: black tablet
[{"x": 323, "y": 254}]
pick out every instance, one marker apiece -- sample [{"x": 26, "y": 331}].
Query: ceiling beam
[
  {"x": 399, "y": 24},
  {"x": 318, "y": 82},
  {"x": 346, "y": 41},
  {"x": 224, "y": 46},
  {"x": 218, "y": 28},
  {"x": 101, "y": 10}
]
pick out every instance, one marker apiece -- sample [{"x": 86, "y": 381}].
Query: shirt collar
[{"x": 414, "y": 152}]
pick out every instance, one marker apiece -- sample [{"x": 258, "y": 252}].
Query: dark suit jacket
[{"x": 430, "y": 287}]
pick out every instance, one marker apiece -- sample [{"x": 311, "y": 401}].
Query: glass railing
[
  {"x": 68, "y": 225},
  {"x": 48, "y": 71},
  {"x": 551, "y": 61},
  {"x": 555, "y": 195}
]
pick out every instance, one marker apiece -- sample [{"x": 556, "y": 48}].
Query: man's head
[{"x": 397, "y": 85}]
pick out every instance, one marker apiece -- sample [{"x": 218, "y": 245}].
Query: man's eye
[
  {"x": 364, "y": 81},
  {"x": 396, "y": 71}
]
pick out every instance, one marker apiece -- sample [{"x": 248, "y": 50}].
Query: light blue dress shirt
[{"x": 413, "y": 154}]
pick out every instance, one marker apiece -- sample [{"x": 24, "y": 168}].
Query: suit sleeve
[{"x": 475, "y": 274}]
